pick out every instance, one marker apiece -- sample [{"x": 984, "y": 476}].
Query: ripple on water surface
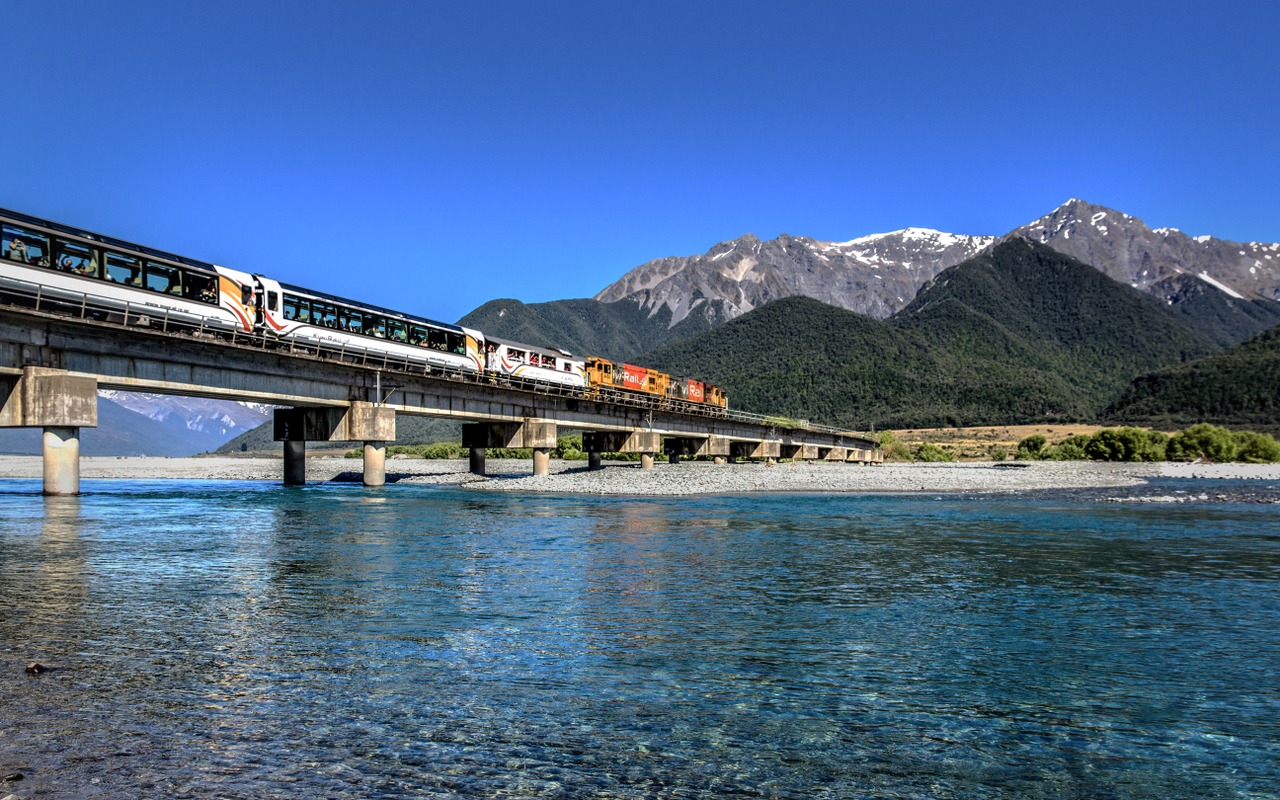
[{"x": 228, "y": 640}]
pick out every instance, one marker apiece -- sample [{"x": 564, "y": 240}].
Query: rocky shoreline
[{"x": 686, "y": 478}]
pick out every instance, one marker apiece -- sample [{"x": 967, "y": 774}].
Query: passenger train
[{"x": 111, "y": 279}]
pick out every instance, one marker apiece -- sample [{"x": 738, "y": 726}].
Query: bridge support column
[
  {"x": 59, "y": 403},
  {"x": 476, "y": 466},
  {"x": 673, "y": 458},
  {"x": 646, "y": 443},
  {"x": 375, "y": 463},
  {"x": 359, "y": 422},
  {"x": 718, "y": 460},
  {"x": 767, "y": 450},
  {"x": 537, "y": 435},
  {"x": 295, "y": 462},
  {"x": 61, "y": 460},
  {"x": 595, "y": 461}
]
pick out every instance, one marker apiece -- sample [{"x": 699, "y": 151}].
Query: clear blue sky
[{"x": 431, "y": 156}]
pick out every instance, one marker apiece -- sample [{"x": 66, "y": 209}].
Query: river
[{"x": 224, "y": 639}]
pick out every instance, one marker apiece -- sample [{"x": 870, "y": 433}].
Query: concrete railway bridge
[{"x": 53, "y": 361}]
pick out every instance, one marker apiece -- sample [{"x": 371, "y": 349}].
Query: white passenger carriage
[
  {"x": 104, "y": 277},
  {"x": 323, "y": 320},
  {"x": 535, "y": 363}
]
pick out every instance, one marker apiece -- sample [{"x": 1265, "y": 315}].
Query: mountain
[
  {"x": 874, "y": 275},
  {"x": 1229, "y": 289},
  {"x": 1020, "y": 333},
  {"x": 586, "y": 327},
  {"x": 137, "y": 424},
  {"x": 1127, "y": 250},
  {"x": 1240, "y": 387}
]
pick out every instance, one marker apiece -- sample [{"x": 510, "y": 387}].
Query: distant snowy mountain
[
  {"x": 1154, "y": 260},
  {"x": 873, "y": 275},
  {"x": 136, "y": 424},
  {"x": 878, "y": 275},
  {"x": 221, "y": 419}
]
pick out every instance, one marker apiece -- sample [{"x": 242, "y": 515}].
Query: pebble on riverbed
[{"x": 35, "y": 668}]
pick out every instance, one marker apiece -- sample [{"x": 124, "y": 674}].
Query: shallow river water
[{"x": 246, "y": 640}]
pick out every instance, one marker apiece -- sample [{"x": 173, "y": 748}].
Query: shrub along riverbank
[{"x": 1198, "y": 442}]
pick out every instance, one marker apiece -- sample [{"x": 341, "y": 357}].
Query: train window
[
  {"x": 457, "y": 343},
  {"x": 273, "y": 301},
  {"x": 351, "y": 320},
  {"x": 203, "y": 288},
  {"x": 163, "y": 279},
  {"x": 549, "y": 362},
  {"x": 76, "y": 258},
  {"x": 436, "y": 340},
  {"x": 324, "y": 314},
  {"x": 395, "y": 330},
  {"x": 28, "y": 247},
  {"x": 418, "y": 335},
  {"x": 124, "y": 269},
  {"x": 516, "y": 355}
]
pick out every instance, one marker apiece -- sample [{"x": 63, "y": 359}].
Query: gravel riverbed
[{"x": 686, "y": 478}]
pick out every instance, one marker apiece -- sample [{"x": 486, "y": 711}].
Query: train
[{"x": 111, "y": 279}]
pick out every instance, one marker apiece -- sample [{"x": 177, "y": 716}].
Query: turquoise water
[{"x": 243, "y": 640}]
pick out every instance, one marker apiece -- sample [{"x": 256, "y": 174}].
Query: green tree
[
  {"x": 1256, "y": 448},
  {"x": 1030, "y": 448},
  {"x": 932, "y": 452},
  {"x": 1205, "y": 441},
  {"x": 1126, "y": 444}
]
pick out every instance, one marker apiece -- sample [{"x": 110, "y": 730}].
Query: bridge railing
[{"x": 83, "y": 306}]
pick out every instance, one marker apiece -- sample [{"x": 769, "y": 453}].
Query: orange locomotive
[{"x": 602, "y": 373}]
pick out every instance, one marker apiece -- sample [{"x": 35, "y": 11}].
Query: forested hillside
[
  {"x": 1240, "y": 387},
  {"x": 617, "y": 331},
  {"x": 1020, "y": 334}
]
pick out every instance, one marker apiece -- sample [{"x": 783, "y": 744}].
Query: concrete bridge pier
[
  {"x": 375, "y": 463},
  {"x": 477, "y": 466},
  {"x": 359, "y": 422},
  {"x": 537, "y": 435},
  {"x": 61, "y": 453},
  {"x": 295, "y": 463},
  {"x": 646, "y": 443},
  {"x": 595, "y": 461},
  {"x": 767, "y": 450},
  {"x": 61, "y": 404}
]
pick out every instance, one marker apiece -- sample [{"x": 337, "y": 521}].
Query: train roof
[
  {"x": 119, "y": 244},
  {"x": 333, "y": 298},
  {"x": 546, "y": 351}
]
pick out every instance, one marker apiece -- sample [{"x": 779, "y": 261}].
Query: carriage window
[
  {"x": 76, "y": 258},
  {"x": 548, "y": 362},
  {"x": 164, "y": 279},
  {"x": 273, "y": 301},
  {"x": 418, "y": 335},
  {"x": 324, "y": 314},
  {"x": 395, "y": 330},
  {"x": 290, "y": 307},
  {"x": 457, "y": 343},
  {"x": 124, "y": 269},
  {"x": 351, "y": 320},
  {"x": 516, "y": 355},
  {"x": 201, "y": 287},
  {"x": 28, "y": 247},
  {"x": 436, "y": 339}
]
